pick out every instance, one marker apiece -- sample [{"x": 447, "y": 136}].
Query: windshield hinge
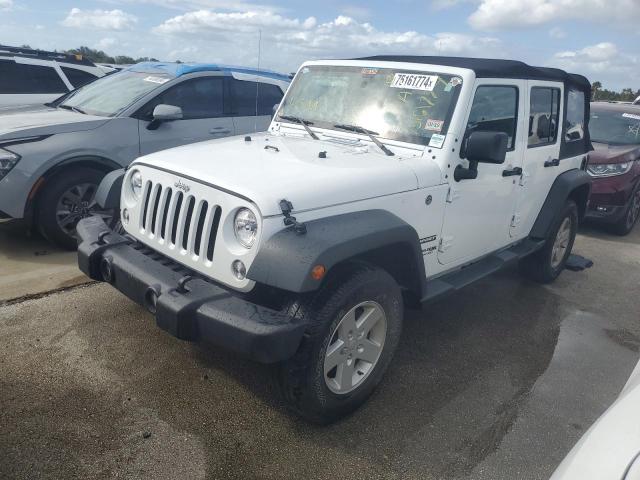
[{"x": 287, "y": 207}]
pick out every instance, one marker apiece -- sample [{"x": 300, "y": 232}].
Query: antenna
[{"x": 255, "y": 119}]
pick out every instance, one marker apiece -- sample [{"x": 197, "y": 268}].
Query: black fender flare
[
  {"x": 570, "y": 184},
  {"x": 108, "y": 193},
  {"x": 286, "y": 259}
]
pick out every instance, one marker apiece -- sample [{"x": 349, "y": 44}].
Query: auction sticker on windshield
[
  {"x": 159, "y": 80},
  {"x": 414, "y": 81}
]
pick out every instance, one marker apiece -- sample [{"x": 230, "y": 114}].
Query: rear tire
[
  {"x": 328, "y": 377},
  {"x": 66, "y": 198},
  {"x": 546, "y": 264}
]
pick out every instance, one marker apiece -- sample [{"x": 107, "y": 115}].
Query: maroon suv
[{"x": 615, "y": 165}]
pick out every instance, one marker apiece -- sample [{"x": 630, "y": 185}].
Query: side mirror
[
  {"x": 487, "y": 147},
  {"x": 482, "y": 147},
  {"x": 164, "y": 113},
  {"x": 275, "y": 109}
]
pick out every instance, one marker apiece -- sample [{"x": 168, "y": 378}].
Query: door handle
[
  {"x": 552, "y": 163},
  {"x": 512, "y": 173},
  {"x": 219, "y": 131}
]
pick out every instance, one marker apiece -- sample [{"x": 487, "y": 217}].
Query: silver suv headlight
[
  {"x": 609, "y": 169},
  {"x": 245, "y": 227},
  {"x": 8, "y": 160}
]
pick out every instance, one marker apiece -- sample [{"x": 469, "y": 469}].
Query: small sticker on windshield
[
  {"x": 454, "y": 82},
  {"x": 437, "y": 140},
  {"x": 369, "y": 71},
  {"x": 159, "y": 80},
  {"x": 414, "y": 82},
  {"x": 434, "y": 125},
  {"x": 631, "y": 115}
]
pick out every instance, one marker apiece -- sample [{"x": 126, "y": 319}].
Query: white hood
[{"x": 294, "y": 171}]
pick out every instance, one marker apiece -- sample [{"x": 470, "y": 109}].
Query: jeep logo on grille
[{"x": 182, "y": 186}]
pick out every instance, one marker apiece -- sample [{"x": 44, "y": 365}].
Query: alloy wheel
[
  {"x": 563, "y": 237},
  {"x": 76, "y": 203},
  {"x": 355, "y": 347}
]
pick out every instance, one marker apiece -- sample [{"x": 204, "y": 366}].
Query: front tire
[
  {"x": 630, "y": 218},
  {"x": 66, "y": 198},
  {"x": 546, "y": 264},
  {"x": 354, "y": 325}
]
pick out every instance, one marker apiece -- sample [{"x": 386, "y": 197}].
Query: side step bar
[{"x": 454, "y": 281}]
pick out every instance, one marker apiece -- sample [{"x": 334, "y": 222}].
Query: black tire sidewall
[
  {"x": 317, "y": 401},
  {"x": 569, "y": 210},
  {"x": 48, "y": 202}
]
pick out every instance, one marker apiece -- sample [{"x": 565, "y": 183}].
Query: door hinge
[
  {"x": 446, "y": 242},
  {"x": 515, "y": 220},
  {"x": 452, "y": 195},
  {"x": 524, "y": 178}
]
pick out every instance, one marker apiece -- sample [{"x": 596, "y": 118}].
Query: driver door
[
  {"x": 202, "y": 101},
  {"x": 478, "y": 212}
]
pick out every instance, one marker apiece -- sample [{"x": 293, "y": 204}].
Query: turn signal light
[{"x": 318, "y": 272}]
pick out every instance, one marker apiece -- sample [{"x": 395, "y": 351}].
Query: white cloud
[
  {"x": 6, "y": 5},
  {"x": 232, "y": 37},
  {"x": 506, "y": 14},
  {"x": 604, "y": 62},
  {"x": 187, "y": 5},
  {"x": 106, "y": 43},
  {"x": 557, "y": 33},
  {"x": 100, "y": 19}
]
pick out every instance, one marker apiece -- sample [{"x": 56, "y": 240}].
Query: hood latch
[{"x": 287, "y": 207}]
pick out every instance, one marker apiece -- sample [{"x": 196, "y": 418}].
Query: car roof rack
[{"x": 45, "y": 55}]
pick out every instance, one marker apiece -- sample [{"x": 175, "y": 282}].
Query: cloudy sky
[{"x": 598, "y": 38}]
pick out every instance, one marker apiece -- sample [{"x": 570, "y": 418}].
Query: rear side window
[
  {"x": 495, "y": 109},
  {"x": 22, "y": 78},
  {"x": 77, "y": 77},
  {"x": 543, "y": 116},
  {"x": 246, "y": 93},
  {"x": 198, "y": 98},
  {"x": 574, "y": 127}
]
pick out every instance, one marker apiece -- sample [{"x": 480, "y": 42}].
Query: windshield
[
  {"x": 615, "y": 127},
  {"x": 395, "y": 104},
  {"x": 109, "y": 95}
]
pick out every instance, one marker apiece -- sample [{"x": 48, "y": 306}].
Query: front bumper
[{"x": 195, "y": 309}]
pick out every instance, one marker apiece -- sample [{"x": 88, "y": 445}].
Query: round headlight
[
  {"x": 136, "y": 183},
  {"x": 245, "y": 227}
]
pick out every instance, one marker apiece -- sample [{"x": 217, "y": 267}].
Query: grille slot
[
  {"x": 176, "y": 217},
  {"x": 165, "y": 211},
  {"x": 213, "y": 232},
  {"x": 145, "y": 204},
  {"x": 187, "y": 222},
  {"x": 201, "y": 218}
]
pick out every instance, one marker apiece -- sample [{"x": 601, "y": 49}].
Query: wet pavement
[{"x": 496, "y": 382}]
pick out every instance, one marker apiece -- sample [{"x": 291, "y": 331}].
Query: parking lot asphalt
[
  {"x": 30, "y": 266},
  {"x": 496, "y": 382}
]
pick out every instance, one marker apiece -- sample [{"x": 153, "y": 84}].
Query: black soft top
[{"x": 492, "y": 68}]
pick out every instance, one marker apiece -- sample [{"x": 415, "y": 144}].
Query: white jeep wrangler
[{"x": 381, "y": 182}]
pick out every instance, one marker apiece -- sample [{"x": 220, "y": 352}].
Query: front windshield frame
[
  {"x": 417, "y": 114},
  {"x": 598, "y": 136},
  {"x": 83, "y": 99}
]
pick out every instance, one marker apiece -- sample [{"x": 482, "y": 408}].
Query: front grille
[{"x": 179, "y": 220}]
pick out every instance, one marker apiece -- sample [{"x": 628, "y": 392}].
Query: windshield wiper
[
  {"x": 369, "y": 133},
  {"x": 73, "y": 109},
  {"x": 304, "y": 123}
]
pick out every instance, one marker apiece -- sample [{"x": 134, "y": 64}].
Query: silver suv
[{"x": 53, "y": 158}]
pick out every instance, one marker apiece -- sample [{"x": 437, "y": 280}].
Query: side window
[
  {"x": 244, "y": 97},
  {"x": 495, "y": 109},
  {"x": 23, "y": 78},
  {"x": 574, "y": 127},
  {"x": 199, "y": 98},
  {"x": 543, "y": 116},
  {"x": 77, "y": 77}
]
